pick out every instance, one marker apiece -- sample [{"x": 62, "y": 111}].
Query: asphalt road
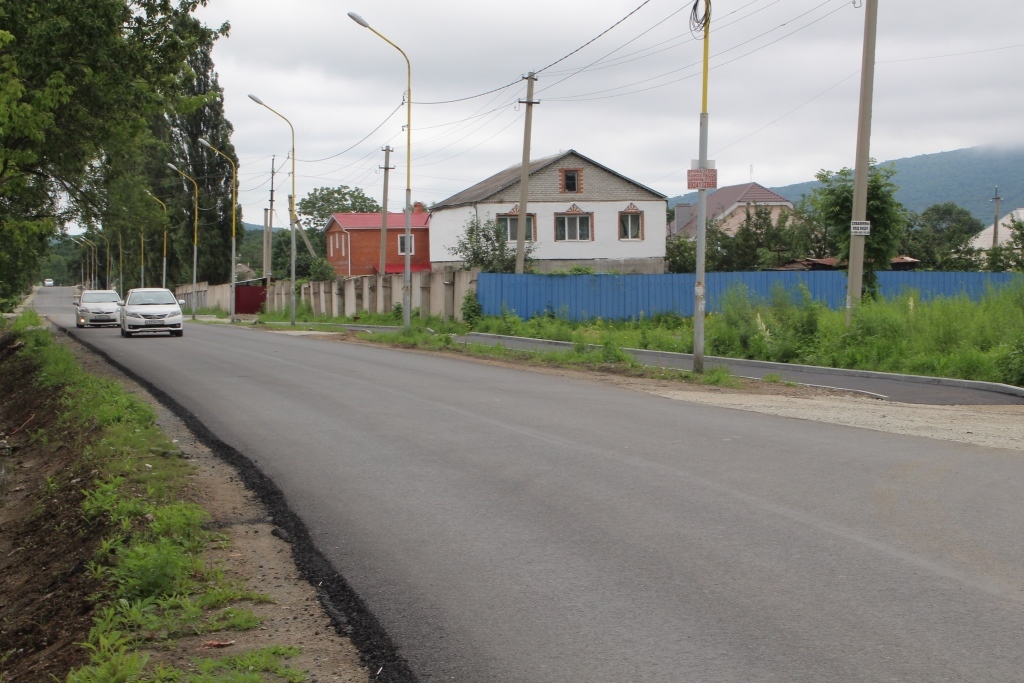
[{"x": 517, "y": 527}]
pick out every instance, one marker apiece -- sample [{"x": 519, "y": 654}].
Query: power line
[
  {"x": 562, "y": 59},
  {"x": 954, "y": 54},
  {"x": 586, "y": 97},
  {"x": 379, "y": 126}
]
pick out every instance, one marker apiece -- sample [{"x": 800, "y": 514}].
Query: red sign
[{"x": 702, "y": 179}]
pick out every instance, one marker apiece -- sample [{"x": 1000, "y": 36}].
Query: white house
[
  {"x": 580, "y": 213},
  {"x": 983, "y": 240}
]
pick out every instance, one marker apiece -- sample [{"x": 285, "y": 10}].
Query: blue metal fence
[{"x": 618, "y": 297}]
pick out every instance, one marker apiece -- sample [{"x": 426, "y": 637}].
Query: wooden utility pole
[
  {"x": 523, "y": 219},
  {"x": 995, "y": 225},
  {"x": 859, "y": 229}
]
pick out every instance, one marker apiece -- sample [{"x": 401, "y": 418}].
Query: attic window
[{"x": 572, "y": 180}]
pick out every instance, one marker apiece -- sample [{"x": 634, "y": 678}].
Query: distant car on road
[
  {"x": 151, "y": 309},
  {"x": 47, "y": 282},
  {"x": 97, "y": 307}
]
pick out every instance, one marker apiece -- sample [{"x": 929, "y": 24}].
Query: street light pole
[
  {"x": 234, "y": 202},
  {"x": 164, "y": 280},
  {"x": 407, "y": 284},
  {"x": 195, "y": 236},
  {"x": 291, "y": 202}
]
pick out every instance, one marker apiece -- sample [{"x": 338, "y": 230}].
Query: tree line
[
  {"x": 940, "y": 237},
  {"x": 96, "y": 98}
]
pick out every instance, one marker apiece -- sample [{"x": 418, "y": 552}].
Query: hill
[
  {"x": 966, "y": 177},
  {"x": 252, "y": 227}
]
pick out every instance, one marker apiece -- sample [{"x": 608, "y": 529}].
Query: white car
[
  {"x": 97, "y": 307},
  {"x": 47, "y": 282},
  {"x": 151, "y": 309}
]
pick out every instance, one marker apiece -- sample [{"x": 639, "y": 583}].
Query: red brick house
[{"x": 353, "y": 242}]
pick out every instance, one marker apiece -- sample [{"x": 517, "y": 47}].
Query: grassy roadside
[{"x": 123, "y": 553}]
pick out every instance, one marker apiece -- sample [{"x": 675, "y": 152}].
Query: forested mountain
[{"x": 966, "y": 177}]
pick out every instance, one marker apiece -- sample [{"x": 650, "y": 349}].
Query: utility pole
[
  {"x": 382, "y": 266},
  {"x": 859, "y": 227},
  {"x": 701, "y": 178},
  {"x": 268, "y": 229},
  {"x": 523, "y": 220},
  {"x": 995, "y": 225}
]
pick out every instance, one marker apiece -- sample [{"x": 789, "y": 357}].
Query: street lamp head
[
  {"x": 204, "y": 143},
  {"x": 256, "y": 99},
  {"x": 356, "y": 18},
  {"x": 172, "y": 167}
]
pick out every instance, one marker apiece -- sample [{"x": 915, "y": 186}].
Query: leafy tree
[
  {"x": 681, "y": 255},
  {"x": 941, "y": 238},
  {"x": 681, "y": 252},
  {"x": 832, "y": 204},
  {"x": 1009, "y": 256},
  {"x": 486, "y": 246},
  {"x": 316, "y": 207},
  {"x": 320, "y": 270},
  {"x": 76, "y": 77},
  {"x": 810, "y": 237},
  {"x": 760, "y": 242}
]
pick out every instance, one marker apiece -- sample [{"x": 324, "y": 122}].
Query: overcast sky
[{"x": 783, "y": 89}]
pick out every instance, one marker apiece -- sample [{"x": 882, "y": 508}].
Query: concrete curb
[{"x": 685, "y": 360}]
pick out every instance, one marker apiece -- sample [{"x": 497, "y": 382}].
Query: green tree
[
  {"x": 1010, "y": 255},
  {"x": 940, "y": 238},
  {"x": 680, "y": 255},
  {"x": 316, "y": 207},
  {"x": 76, "y": 77},
  {"x": 832, "y": 204},
  {"x": 485, "y": 246},
  {"x": 320, "y": 269}
]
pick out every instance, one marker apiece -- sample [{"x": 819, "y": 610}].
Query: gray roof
[{"x": 510, "y": 176}]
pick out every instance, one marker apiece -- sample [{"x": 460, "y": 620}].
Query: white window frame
[
  {"x": 505, "y": 219},
  {"x": 639, "y": 216},
  {"x": 401, "y": 244},
  {"x": 575, "y": 218}
]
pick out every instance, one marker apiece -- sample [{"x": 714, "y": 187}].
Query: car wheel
[
  {"x": 177, "y": 333},
  {"x": 125, "y": 333},
  {"x": 79, "y": 325}
]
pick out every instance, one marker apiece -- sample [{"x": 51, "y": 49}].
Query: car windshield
[
  {"x": 100, "y": 297},
  {"x": 151, "y": 298}
]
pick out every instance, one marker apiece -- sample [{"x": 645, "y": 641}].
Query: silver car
[
  {"x": 97, "y": 307},
  {"x": 151, "y": 310}
]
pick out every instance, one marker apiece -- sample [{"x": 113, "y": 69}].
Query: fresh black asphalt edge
[{"x": 350, "y": 616}]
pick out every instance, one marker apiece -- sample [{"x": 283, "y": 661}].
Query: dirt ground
[{"x": 44, "y": 606}]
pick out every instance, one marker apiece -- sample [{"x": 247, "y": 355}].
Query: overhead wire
[{"x": 587, "y": 97}]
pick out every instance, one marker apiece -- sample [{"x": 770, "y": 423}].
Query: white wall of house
[{"x": 447, "y": 225}]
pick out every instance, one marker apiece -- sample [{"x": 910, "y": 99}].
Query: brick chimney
[{"x": 417, "y": 207}]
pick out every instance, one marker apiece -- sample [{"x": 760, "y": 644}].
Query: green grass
[
  {"x": 946, "y": 337},
  {"x": 158, "y": 585}
]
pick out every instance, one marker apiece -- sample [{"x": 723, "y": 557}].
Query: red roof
[{"x": 369, "y": 221}]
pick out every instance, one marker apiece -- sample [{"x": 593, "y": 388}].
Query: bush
[{"x": 472, "y": 311}]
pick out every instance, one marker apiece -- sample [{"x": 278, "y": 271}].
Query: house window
[
  {"x": 631, "y": 225},
  {"x": 401, "y": 245},
  {"x": 509, "y": 225},
  {"x": 572, "y": 228},
  {"x": 572, "y": 180}
]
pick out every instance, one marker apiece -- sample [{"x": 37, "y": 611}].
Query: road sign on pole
[
  {"x": 860, "y": 228},
  {"x": 702, "y": 179}
]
